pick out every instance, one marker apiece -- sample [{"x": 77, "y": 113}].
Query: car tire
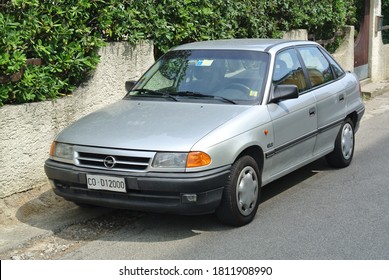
[
  {"x": 241, "y": 194},
  {"x": 343, "y": 152}
]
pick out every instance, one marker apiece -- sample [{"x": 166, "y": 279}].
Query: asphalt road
[{"x": 314, "y": 213}]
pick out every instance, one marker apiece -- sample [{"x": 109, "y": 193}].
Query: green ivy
[
  {"x": 59, "y": 32},
  {"x": 66, "y": 34}
]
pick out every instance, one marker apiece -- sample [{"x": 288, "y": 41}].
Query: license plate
[{"x": 108, "y": 183}]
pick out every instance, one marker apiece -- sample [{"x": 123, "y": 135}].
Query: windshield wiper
[
  {"x": 151, "y": 93},
  {"x": 200, "y": 95}
]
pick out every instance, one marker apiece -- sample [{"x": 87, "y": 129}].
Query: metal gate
[{"x": 361, "y": 47}]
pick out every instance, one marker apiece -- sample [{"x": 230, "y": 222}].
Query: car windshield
[{"x": 217, "y": 76}]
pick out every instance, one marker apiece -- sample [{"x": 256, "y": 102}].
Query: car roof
[{"x": 242, "y": 44}]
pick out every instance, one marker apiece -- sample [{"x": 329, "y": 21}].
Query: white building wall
[{"x": 379, "y": 53}]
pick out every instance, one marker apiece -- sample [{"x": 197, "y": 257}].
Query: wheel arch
[
  {"x": 256, "y": 153},
  {"x": 354, "y": 118},
  {"x": 241, "y": 194}
]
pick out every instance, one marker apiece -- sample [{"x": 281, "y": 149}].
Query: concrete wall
[
  {"x": 386, "y": 63},
  {"x": 345, "y": 53},
  {"x": 379, "y": 53},
  {"x": 297, "y": 34},
  {"x": 26, "y": 131},
  {"x": 376, "y": 54}
]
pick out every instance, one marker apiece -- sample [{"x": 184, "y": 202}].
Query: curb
[{"x": 371, "y": 90}]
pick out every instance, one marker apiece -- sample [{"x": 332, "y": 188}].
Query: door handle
[
  {"x": 341, "y": 97},
  {"x": 312, "y": 111}
]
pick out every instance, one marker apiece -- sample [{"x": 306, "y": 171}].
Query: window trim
[
  {"x": 320, "y": 51},
  {"x": 327, "y": 55},
  {"x": 304, "y": 67}
]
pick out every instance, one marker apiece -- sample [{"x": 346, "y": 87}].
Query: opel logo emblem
[{"x": 109, "y": 162}]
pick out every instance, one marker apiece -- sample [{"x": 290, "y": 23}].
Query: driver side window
[{"x": 288, "y": 70}]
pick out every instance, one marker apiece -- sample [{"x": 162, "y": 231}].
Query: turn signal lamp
[
  {"x": 52, "y": 149},
  {"x": 197, "y": 159}
]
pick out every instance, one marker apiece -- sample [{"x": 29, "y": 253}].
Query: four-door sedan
[{"x": 207, "y": 126}]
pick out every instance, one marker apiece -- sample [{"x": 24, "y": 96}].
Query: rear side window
[
  {"x": 335, "y": 67},
  {"x": 318, "y": 67}
]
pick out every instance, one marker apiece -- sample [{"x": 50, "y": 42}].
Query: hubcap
[
  {"x": 347, "y": 141},
  {"x": 247, "y": 190}
]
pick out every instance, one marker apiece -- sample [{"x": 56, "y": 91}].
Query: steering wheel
[{"x": 238, "y": 86}]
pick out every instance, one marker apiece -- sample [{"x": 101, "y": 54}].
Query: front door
[{"x": 294, "y": 120}]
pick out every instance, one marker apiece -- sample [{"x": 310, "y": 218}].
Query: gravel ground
[
  {"x": 69, "y": 238},
  {"x": 64, "y": 226}
]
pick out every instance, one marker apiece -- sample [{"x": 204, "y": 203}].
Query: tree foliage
[{"x": 67, "y": 33}]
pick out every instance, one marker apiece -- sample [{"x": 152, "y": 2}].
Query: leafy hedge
[
  {"x": 173, "y": 22},
  {"x": 67, "y": 33},
  {"x": 61, "y": 35}
]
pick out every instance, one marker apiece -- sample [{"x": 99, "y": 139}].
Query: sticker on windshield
[
  {"x": 253, "y": 93},
  {"x": 204, "y": 62}
]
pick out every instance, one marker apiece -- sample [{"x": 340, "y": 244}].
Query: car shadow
[
  {"x": 71, "y": 222},
  {"x": 288, "y": 181}
]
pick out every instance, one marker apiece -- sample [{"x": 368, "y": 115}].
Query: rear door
[{"x": 329, "y": 91}]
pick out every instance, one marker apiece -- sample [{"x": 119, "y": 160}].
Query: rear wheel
[
  {"x": 241, "y": 194},
  {"x": 343, "y": 152}
]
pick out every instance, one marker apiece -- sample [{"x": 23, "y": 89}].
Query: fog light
[{"x": 189, "y": 198}]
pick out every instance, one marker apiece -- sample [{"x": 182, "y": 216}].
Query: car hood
[{"x": 149, "y": 125}]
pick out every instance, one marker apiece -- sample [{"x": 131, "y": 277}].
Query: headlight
[
  {"x": 170, "y": 160},
  {"x": 61, "y": 151},
  {"x": 181, "y": 160}
]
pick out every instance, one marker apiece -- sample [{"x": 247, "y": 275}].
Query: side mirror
[
  {"x": 284, "y": 92},
  {"x": 130, "y": 85}
]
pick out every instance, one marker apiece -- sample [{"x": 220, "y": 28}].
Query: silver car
[{"x": 207, "y": 126}]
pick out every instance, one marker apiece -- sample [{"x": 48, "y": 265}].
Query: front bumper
[{"x": 155, "y": 192}]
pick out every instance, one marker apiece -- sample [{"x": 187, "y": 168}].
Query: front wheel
[
  {"x": 241, "y": 194},
  {"x": 343, "y": 152}
]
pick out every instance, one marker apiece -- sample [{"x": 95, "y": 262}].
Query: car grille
[{"x": 108, "y": 159}]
